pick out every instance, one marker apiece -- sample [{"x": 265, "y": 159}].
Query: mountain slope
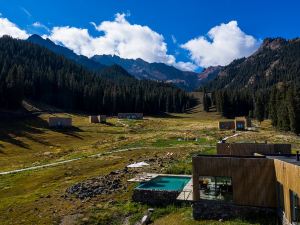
[
  {"x": 277, "y": 60},
  {"x": 29, "y": 71},
  {"x": 60, "y": 50},
  {"x": 153, "y": 71},
  {"x": 265, "y": 85}
]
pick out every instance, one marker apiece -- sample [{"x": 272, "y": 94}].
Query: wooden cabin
[
  {"x": 93, "y": 119},
  {"x": 227, "y": 125},
  {"x": 242, "y": 123},
  {"x": 239, "y": 123},
  {"x": 133, "y": 116},
  {"x": 102, "y": 118},
  {"x": 60, "y": 122}
]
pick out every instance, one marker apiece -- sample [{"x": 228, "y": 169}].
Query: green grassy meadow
[{"x": 38, "y": 196}]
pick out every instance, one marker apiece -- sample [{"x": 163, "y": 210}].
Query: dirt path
[{"x": 80, "y": 158}]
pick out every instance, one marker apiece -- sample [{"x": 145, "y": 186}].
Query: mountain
[
  {"x": 138, "y": 68},
  {"x": 209, "y": 74},
  {"x": 60, "y": 50},
  {"x": 265, "y": 85},
  {"x": 154, "y": 71},
  {"x": 29, "y": 71},
  {"x": 277, "y": 60}
]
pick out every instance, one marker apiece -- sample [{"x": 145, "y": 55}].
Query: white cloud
[
  {"x": 40, "y": 25},
  {"x": 186, "y": 66},
  {"x": 120, "y": 38},
  {"x": 225, "y": 43},
  {"x": 11, "y": 29}
]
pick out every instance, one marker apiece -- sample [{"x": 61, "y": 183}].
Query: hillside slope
[
  {"x": 33, "y": 72},
  {"x": 277, "y": 60},
  {"x": 60, "y": 50},
  {"x": 265, "y": 85}
]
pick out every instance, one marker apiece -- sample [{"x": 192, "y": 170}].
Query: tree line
[
  {"x": 33, "y": 72},
  {"x": 280, "y": 104}
]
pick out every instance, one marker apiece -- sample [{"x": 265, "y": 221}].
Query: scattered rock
[{"x": 98, "y": 185}]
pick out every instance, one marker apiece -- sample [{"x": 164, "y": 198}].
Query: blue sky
[{"x": 173, "y": 32}]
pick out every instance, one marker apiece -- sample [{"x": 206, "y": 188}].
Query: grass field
[{"x": 38, "y": 196}]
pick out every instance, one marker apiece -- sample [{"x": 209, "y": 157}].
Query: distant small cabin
[
  {"x": 133, "y": 116},
  {"x": 97, "y": 119},
  {"x": 242, "y": 123},
  {"x": 227, "y": 125},
  {"x": 102, "y": 118},
  {"x": 60, "y": 122},
  {"x": 93, "y": 119}
]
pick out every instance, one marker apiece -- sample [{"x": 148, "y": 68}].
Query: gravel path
[{"x": 80, "y": 158}]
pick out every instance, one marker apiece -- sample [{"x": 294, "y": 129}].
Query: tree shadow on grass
[
  {"x": 15, "y": 128},
  {"x": 71, "y": 131},
  {"x": 165, "y": 115}
]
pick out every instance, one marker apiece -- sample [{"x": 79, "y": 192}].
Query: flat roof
[
  {"x": 285, "y": 158},
  {"x": 231, "y": 156}
]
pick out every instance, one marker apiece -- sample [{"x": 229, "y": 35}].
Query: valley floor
[{"x": 39, "y": 196}]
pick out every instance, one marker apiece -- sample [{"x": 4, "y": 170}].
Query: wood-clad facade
[
  {"x": 253, "y": 178},
  {"x": 227, "y": 125},
  {"x": 97, "y": 119},
  {"x": 287, "y": 176},
  {"x": 266, "y": 181}
]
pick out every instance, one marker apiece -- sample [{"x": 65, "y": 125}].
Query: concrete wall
[
  {"x": 251, "y": 148},
  {"x": 152, "y": 197},
  {"x": 253, "y": 178},
  {"x": 136, "y": 116},
  {"x": 60, "y": 122},
  {"x": 223, "y": 210}
]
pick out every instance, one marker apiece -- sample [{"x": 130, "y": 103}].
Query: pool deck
[
  {"x": 144, "y": 177},
  {"x": 187, "y": 192}
]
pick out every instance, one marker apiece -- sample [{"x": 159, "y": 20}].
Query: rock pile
[{"x": 99, "y": 185}]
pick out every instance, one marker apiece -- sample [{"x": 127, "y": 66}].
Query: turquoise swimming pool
[{"x": 165, "y": 183}]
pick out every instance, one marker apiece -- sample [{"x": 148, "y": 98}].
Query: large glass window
[
  {"x": 295, "y": 208},
  {"x": 280, "y": 197},
  {"x": 215, "y": 188}
]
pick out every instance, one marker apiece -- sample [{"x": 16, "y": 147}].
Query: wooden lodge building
[{"x": 264, "y": 180}]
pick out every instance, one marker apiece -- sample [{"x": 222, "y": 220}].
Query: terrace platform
[
  {"x": 187, "y": 192},
  {"x": 143, "y": 177}
]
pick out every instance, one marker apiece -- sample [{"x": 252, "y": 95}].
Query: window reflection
[{"x": 216, "y": 188}]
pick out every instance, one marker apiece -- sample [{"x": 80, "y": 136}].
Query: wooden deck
[
  {"x": 187, "y": 192},
  {"x": 143, "y": 177}
]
